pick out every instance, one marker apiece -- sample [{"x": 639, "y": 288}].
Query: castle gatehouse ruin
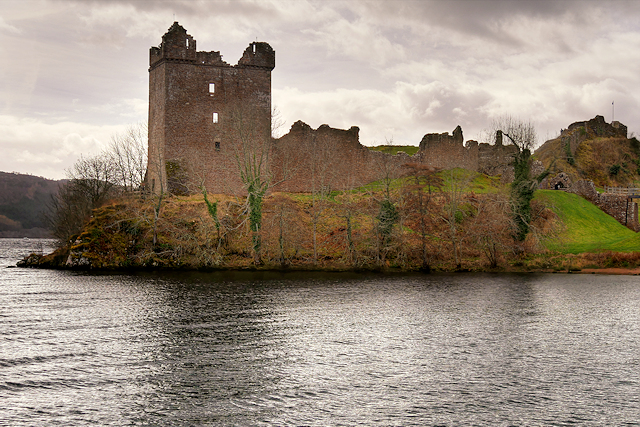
[{"x": 206, "y": 116}]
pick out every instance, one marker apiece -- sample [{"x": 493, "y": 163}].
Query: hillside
[
  {"x": 583, "y": 227},
  {"x": 594, "y": 150},
  {"x": 22, "y": 201},
  {"x": 343, "y": 230}
]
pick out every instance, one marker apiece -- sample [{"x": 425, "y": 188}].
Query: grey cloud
[
  {"x": 191, "y": 8},
  {"x": 395, "y": 68}
]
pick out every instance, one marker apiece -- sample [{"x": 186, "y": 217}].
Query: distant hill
[{"x": 23, "y": 199}]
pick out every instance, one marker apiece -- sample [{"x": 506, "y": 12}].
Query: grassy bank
[
  {"x": 460, "y": 223},
  {"x": 584, "y": 227}
]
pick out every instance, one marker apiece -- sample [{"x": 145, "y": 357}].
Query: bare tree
[
  {"x": 321, "y": 173},
  {"x": 128, "y": 153},
  {"x": 277, "y": 123},
  {"x": 90, "y": 184},
  {"x": 492, "y": 225},
  {"x": 157, "y": 196},
  {"x": 523, "y": 136},
  {"x": 347, "y": 209},
  {"x": 284, "y": 224},
  {"x": 67, "y": 212},
  {"x": 388, "y": 215},
  {"x": 94, "y": 176},
  {"x": 94, "y": 180}
]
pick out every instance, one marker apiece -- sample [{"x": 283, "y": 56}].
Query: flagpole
[{"x": 612, "y": 112}]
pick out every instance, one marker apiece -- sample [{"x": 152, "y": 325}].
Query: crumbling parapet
[
  {"x": 496, "y": 160},
  {"x": 437, "y": 139},
  {"x": 599, "y": 127},
  {"x": 259, "y": 54},
  {"x": 445, "y": 151},
  {"x": 578, "y": 132},
  {"x": 306, "y": 159}
]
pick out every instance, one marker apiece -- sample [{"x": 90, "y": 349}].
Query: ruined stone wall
[
  {"x": 446, "y": 151},
  {"x": 306, "y": 160},
  {"x": 496, "y": 159},
  {"x": 578, "y": 132},
  {"x": 599, "y": 127},
  {"x": 623, "y": 210}
]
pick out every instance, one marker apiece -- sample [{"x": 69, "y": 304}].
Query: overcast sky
[{"x": 74, "y": 73}]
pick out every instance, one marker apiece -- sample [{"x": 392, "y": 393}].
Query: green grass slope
[
  {"x": 630, "y": 244},
  {"x": 457, "y": 178},
  {"x": 585, "y": 227},
  {"x": 394, "y": 149}
]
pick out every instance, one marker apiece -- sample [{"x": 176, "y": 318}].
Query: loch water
[{"x": 303, "y": 349}]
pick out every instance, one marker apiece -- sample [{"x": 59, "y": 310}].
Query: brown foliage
[
  {"x": 420, "y": 210},
  {"x": 491, "y": 228},
  {"x": 614, "y": 259}
]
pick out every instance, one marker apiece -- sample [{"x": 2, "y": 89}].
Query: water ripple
[{"x": 341, "y": 350}]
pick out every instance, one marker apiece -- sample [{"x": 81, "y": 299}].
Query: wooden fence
[{"x": 623, "y": 191}]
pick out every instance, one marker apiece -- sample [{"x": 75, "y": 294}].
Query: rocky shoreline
[{"x": 63, "y": 259}]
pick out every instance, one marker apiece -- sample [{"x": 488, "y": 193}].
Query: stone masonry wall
[
  {"x": 201, "y": 111},
  {"x": 447, "y": 151},
  {"x": 623, "y": 210},
  {"x": 308, "y": 160}
]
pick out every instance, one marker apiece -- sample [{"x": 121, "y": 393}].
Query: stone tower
[{"x": 199, "y": 109}]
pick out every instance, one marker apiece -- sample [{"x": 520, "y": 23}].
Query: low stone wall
[{"x": 623, "y": 210}]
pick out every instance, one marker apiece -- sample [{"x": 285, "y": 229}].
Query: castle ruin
[{"x": 202, "y": 111}]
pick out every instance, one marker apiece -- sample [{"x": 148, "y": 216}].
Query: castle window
[
  {"x": 215, "y": 117},
  {"x": 217, "y": 145},
  {"x": 212, "y": 88}
]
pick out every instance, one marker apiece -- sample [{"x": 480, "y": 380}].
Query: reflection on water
[{"x": 305, "y": 349}]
